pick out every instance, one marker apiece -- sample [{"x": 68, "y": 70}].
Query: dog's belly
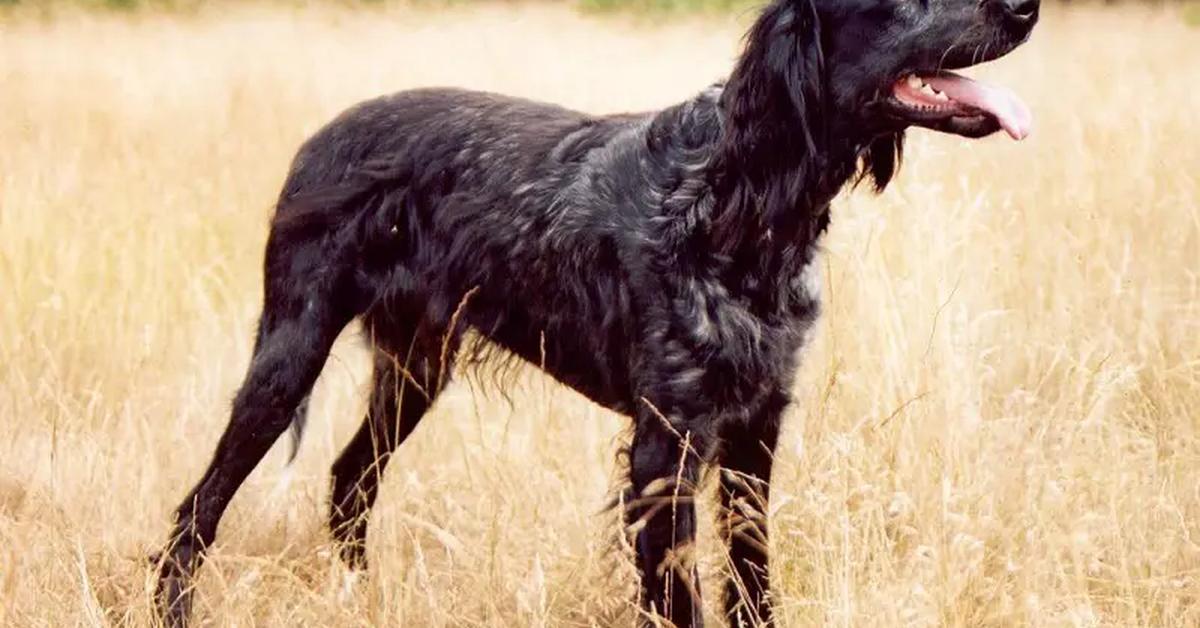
[
  {"x": 589, "y": 360},
  {"x": 708, "y": 354}
]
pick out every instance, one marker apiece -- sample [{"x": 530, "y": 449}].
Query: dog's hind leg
[
  {"x": 660, "y": 512},
  {"x": 307, "y": 303},
  {"x": 408, "y": 377}
]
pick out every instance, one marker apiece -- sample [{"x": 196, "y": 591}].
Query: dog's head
[
  {"x": 888, "y": 62},
  {"x": 824, "y": 82},
  {"x": 872, "y": 68}
]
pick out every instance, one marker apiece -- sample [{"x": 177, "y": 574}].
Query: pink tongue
[{"x": 1013, "y": 115}]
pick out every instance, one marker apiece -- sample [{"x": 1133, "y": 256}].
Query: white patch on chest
[{"x": 811, "y": 279}]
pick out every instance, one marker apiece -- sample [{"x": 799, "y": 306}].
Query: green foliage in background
[
  {"x": 1191, "y": 14},
  {"x": 1190, "y": 11},
  {"x": 105, "y": 4},
  {"x": 660, "y": 6}
]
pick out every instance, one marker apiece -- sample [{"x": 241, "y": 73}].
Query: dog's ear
[
  {"x": 881, "y": 159},
  {"x": 779, "y": 82},
  {"x": 769, "y": 162}
]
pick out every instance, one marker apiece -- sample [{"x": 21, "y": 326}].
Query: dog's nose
[{"x": 1023, "y": 12}]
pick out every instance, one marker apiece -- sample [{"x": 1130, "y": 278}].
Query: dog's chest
[{"x": 730, "y": 350}]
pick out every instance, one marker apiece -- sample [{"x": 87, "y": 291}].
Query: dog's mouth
[{"x": 950, "y": 102}]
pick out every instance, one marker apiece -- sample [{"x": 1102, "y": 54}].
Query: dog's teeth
[
  {"x": 915, "y": 81},
  {"x": 927, "y": 90},
  {"x": 942, "y": 97}
]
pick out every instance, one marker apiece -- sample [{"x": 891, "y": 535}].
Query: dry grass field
[{"x": 998, "y": 424}]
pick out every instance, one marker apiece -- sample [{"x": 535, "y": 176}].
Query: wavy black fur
[{"x": 661, "y": 264}]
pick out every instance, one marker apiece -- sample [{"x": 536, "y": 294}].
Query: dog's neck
[
  {"x": 771, "y": 184},
  {"x": 776, "y": 168}
]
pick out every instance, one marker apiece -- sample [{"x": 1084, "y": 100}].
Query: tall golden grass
[{"x": 998, "y": 424}]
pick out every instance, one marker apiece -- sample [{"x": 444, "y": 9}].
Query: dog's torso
[{"x": 576, "y": 242}]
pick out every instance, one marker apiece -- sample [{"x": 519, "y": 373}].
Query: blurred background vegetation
[{"x": 1191, "y": 8}]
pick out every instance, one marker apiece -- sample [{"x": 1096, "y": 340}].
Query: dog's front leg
[
  {"x": 660, "y": 515},
  {"x": 746, "y": 456}
]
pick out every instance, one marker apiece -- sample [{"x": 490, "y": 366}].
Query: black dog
[{"x": 660, "y": 264}]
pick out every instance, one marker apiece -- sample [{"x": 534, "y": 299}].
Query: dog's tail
[
  {"x": 296, "y": 429},
  {"x": 307, "y": 215},
  {"x": 315, "y": 212}
]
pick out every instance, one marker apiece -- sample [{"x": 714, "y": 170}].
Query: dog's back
[{"x": 446, "y": 196}]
